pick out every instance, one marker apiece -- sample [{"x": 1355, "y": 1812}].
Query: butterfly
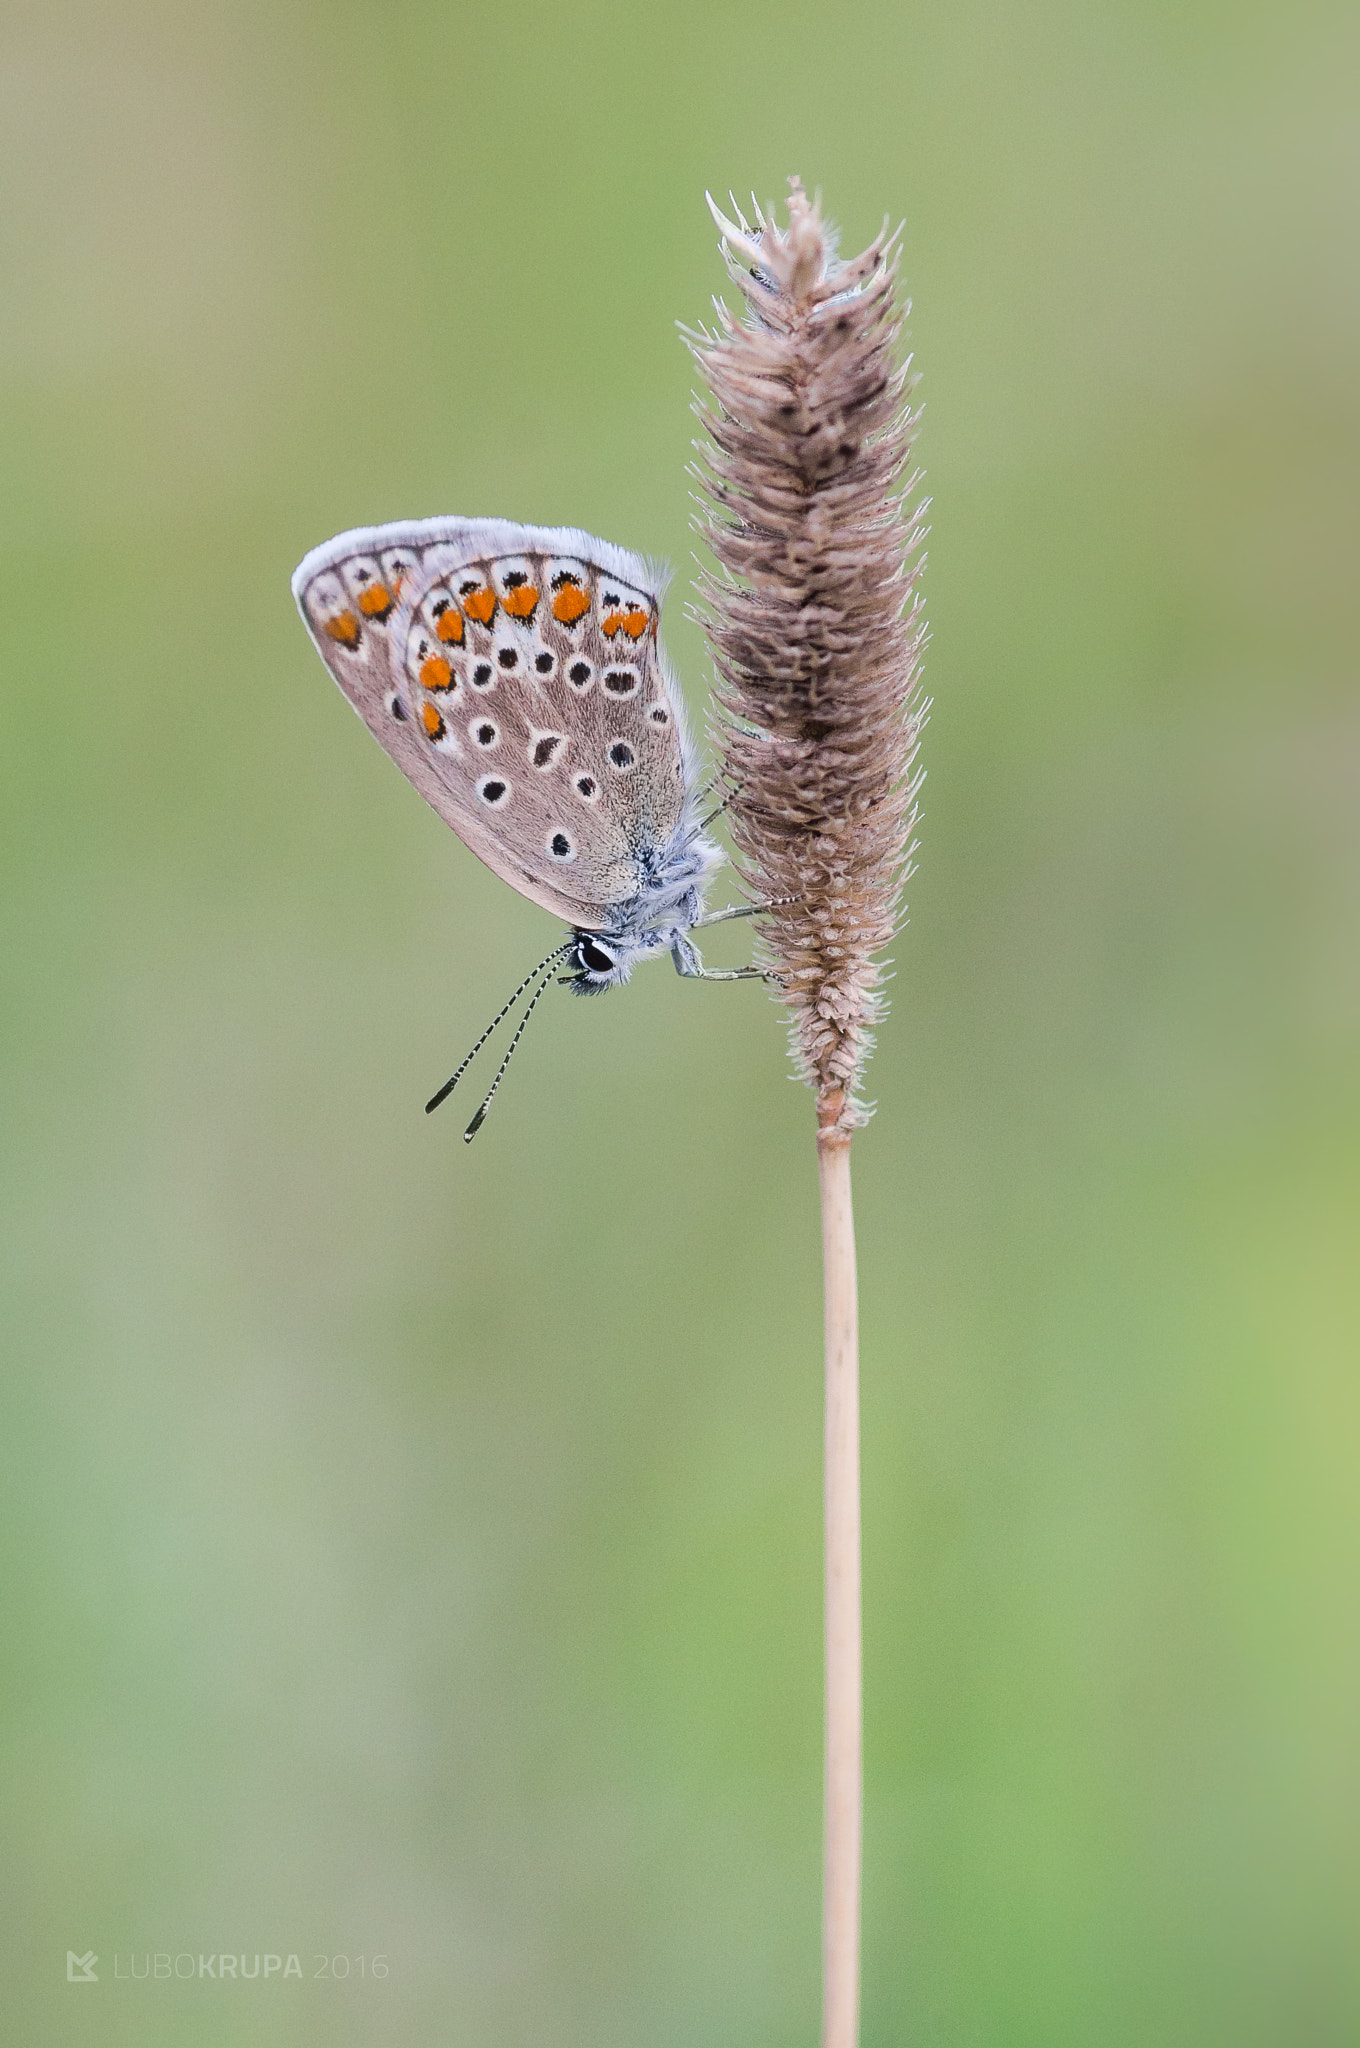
[{"x": 515, "y": 675}]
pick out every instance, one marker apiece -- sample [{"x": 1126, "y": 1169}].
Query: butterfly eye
[
  {"x": 595, "y": 958},
  {"x": 621, "y": 754}
]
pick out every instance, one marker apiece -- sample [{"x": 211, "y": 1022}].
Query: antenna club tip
[{"x": 545, "y": 970}]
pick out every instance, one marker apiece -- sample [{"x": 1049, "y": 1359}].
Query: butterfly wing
[{"x": 515, "y": 676}]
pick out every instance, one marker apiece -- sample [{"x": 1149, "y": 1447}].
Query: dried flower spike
[{"x": 816, "y": 627}]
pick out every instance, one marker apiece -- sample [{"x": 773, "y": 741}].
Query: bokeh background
[{"x": 413, "y": 1551}]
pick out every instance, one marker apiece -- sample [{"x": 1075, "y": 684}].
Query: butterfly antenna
[
  {"x": 504, "y": 1011},
  {"x": 480, "y": 1118}
]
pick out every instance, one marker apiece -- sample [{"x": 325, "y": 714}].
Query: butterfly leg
[
  {"x": 728, "y": 974},
  {"x": 689, "y": 963},
  {"x": 736, "y": 910}
]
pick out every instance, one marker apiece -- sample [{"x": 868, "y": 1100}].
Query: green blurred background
[{"x": 414, "y": 1551}]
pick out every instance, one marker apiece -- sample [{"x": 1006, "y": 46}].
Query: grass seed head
[{"x": 815, "y": 622}]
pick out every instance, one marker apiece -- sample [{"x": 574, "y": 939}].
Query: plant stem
[{"x": 844, "y": 1783}]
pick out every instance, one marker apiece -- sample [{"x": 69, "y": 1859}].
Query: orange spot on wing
[
  {"x": 436, "y": 674},
  {"x": 432, "y": 722},
  {"x": 344, "y": 627},
  {"x": 449, "y": 626},
  {"x": 635, "y": 623},
  {"x": 610, "y": 624},
  {"x": 375, "y": 602},
  {"x": 569, "y": 604},
  {"x": 522, "y": 602},
  {"x": 481, "y": 606}
]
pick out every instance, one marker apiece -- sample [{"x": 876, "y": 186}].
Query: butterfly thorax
[{"x": 655, "y": 920}]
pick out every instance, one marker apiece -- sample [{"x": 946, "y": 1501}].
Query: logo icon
[{"x": 80, "y": 1969}]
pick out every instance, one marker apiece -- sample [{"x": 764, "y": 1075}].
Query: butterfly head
[{"x": 597, "y": 963}]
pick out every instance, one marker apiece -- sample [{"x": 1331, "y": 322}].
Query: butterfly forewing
[{"x": 515, "y": 676}]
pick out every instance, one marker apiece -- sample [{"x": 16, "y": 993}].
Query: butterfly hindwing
[{"x": 515, "y": 676}]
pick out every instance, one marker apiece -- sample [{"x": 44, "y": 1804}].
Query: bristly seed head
[{"x": 816, "y": 627}]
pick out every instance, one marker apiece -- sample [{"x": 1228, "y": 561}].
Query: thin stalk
[{"x": 844, "y": 1742}]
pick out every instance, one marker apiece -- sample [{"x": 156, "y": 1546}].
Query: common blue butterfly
[{"x": 515, "y": 675}]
